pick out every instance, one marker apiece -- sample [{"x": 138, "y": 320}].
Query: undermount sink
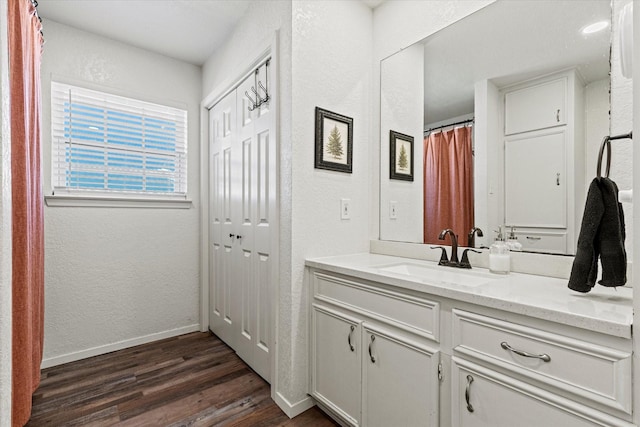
[{"x": 439, "y": 274}]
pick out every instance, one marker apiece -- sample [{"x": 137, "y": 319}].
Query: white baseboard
[
  {"x": 108, "y": 348},
  {"x": 293, "y": 409}
]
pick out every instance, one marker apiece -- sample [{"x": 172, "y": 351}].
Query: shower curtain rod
[{"x": 450, "y": 124}]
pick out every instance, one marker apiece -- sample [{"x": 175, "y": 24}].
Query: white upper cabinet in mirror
[{"x": 529, "y": 91}]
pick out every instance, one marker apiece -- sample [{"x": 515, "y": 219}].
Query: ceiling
[
  {"x": 189, "y": 30},
  {"x": 510, "y": 41}
]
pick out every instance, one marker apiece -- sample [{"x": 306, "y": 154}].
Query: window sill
[{"x": 115, "y": 202}]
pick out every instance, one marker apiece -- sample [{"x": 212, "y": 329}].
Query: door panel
[{"x": 400, "y": 381}]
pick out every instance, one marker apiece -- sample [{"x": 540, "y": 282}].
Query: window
[{"x": 104, "y": 144}]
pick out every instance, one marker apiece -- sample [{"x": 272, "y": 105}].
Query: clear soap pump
[
  {"x": 499, "y": 258},
  {"x": 512, "y": 241}
]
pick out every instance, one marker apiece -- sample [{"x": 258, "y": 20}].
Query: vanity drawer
[
  {"x": 414, "y": 314},
  {"x": 543, "y": 241},
  {"x": 587, "y": 370}
]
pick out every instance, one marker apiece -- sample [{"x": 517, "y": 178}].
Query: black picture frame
[
  {"x": 397, "y": 142},
  {"x": 332, "y": 151}
]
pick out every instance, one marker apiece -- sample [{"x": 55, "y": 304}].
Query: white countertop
[{"x": 605, "y": 310}]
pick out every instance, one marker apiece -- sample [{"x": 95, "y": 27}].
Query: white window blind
[{"x": 103, "y": 143}]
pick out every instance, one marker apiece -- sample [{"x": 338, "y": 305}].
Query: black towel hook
[{"x": 606, "y": 142}]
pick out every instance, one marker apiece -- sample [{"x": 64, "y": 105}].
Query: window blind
[{"x": 113, "y": 144}]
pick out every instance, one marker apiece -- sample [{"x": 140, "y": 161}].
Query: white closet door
[
  {"x": 244, "y": 224},
  {"x": 257, "y": 199},
  {"x": 223, "y": 313}
]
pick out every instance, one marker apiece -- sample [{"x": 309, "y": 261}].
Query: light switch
[
  {"x": 345, "y": 209},
  {"x": 393, "y": 210}
]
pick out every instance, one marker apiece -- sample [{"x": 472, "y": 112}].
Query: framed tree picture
[
  {"x": 334, "y": 141},
  {"x": 400, "y": 156}
]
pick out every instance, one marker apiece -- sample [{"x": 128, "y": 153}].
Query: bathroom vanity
[{"x": 403, "y": 342}]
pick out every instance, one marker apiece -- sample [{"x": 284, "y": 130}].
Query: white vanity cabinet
[
  {"x": 538, "y": 105},
  {"x": 490, "y": 399},
  {"x": 507, "y": 374},
  {"x": 388, "y": 350},
  {"x": 544, "y": 161},
  {"x": 373, "y": 359}
]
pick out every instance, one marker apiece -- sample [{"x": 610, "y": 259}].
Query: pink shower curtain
[
  {"x": 25, "y": 50},
  {"x": 448, "y": 184}
]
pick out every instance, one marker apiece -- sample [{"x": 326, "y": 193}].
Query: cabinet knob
[
  {"x": 232, "y": 235},
  {"x": 467, "y": 393}
]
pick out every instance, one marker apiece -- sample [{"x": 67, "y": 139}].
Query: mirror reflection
[{"x": 504, "y": 107}]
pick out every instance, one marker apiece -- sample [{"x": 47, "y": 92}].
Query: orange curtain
[
  {"x": 448, "y": 184},
  {"x": 25, "y": 51}
]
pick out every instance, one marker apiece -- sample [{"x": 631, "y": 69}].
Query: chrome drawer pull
[
  {"x": 349, "y": 338},
  {"x": 373, "y": 358},
  {"x": 467, "y": 392},
  {"x": 543, "y": 357}
]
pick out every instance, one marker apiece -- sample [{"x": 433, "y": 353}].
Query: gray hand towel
[{"x": 601, "y": 235}]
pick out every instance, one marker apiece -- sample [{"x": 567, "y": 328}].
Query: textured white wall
[
  {"x": 259, "y": 25},
  {"x": 621, "y": 122},
  {"x": 5, "y": 225},
  {"x": 634, "y": 237},
  {"x": 402, "y": 106},
  {"x": 118, "y": 276},
  {"x": 331, "y": 63}
]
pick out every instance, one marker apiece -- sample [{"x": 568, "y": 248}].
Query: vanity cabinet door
[
  {"x": 536, "y": 107},
  {"x": 485, "y": 398},
  {"x": 400, "y": 381},
  {"x": 335, "y": 362},
  {"x": 535, "y": 180}
]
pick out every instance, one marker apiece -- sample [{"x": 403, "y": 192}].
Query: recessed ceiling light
[{"x": 595, "y": 27}]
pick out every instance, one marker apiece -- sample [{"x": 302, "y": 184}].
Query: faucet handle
[
  {"x": 465, "y": 258},
  {"x": 444, "y": 260}
]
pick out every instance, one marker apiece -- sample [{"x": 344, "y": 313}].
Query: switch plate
[
  {"x": 345, "y": 209},
  {"x": 393, "y": 210}
]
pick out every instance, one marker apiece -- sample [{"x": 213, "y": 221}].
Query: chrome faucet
[
  {"x": 454, "y": 244},
  {"x": 471, "y": 241}
]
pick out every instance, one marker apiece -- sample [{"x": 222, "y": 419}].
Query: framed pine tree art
[
  {"x": 334, "y": 141},
  {"x": 400, "y": 156}
]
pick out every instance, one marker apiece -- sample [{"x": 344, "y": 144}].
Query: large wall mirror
[{"x": 506, "y": 110}]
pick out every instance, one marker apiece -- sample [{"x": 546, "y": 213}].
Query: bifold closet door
[
  {"x": 243, "y": 174},
  {"x": 223, "y": 294},
  {"x": 256, "y": 198}
]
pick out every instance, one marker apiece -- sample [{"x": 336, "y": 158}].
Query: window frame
[{"x": 99, "y": 197}]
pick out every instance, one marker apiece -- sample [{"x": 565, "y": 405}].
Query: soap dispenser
[
  {"x": 512, "y": 241},
  {"x": 499, "y": 258}
]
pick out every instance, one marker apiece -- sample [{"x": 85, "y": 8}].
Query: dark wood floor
[{"x": 191, "y": 380}]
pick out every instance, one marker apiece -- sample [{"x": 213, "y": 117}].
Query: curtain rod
[{"x": 450, "y": 124}]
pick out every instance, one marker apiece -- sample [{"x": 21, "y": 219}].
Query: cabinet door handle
[
  {"x": 467, "y": 392},
  {"x": 543, "y": 357},
  {"x": 371, "y": 356},
  {"x": 232, "y": 235},
  {"x": 558, "y": 116},
  {"x": 349, "y": 338},
  {"x": 557, "y": 179},
  {"x": 533, "y": 238}
]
